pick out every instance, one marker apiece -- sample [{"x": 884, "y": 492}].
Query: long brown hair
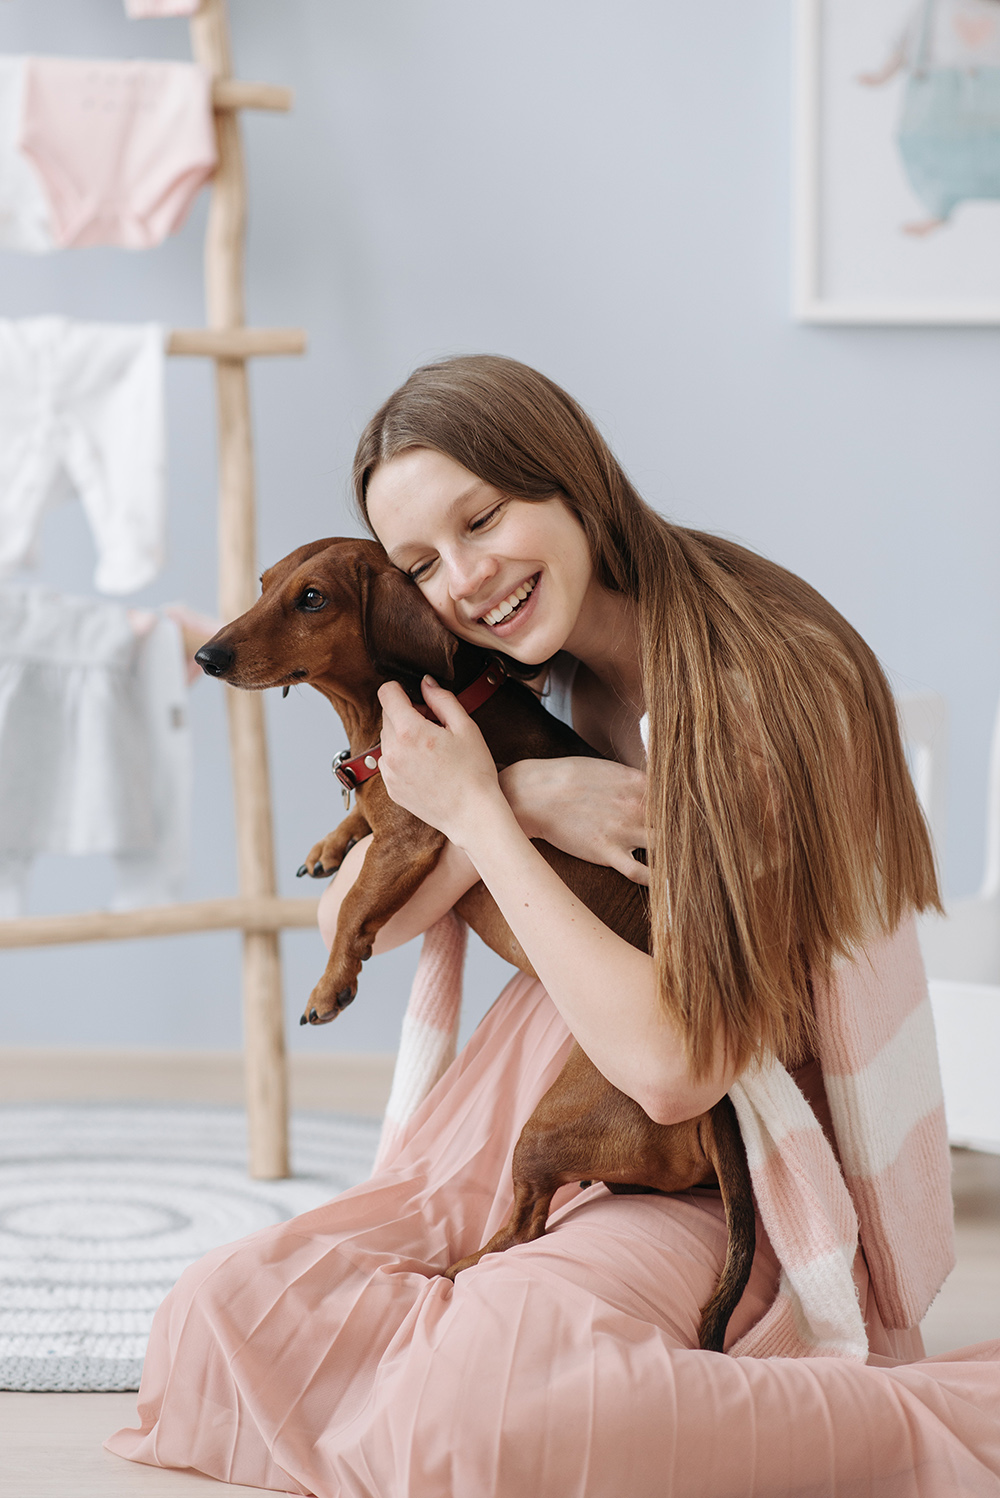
[{"x": 783, "y": 825}]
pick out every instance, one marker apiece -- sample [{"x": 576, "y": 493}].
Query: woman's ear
[{"x": 402, "y": 632}]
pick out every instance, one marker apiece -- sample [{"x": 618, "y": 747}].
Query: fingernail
[{"x": 430, "y": 680}]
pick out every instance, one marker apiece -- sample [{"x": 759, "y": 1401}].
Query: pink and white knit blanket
[
  {"x": 891, "y": 1186},
  {"x": 429, "y": 1036}
]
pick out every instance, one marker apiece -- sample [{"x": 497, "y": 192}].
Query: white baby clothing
[
  {"x": 139, "y": 9},
  {"x": 154, "y": 874},
  {"x": 25, "y": 219},
  {"x": 84, "y": 401},
  {"x": 94, "y": 745}
]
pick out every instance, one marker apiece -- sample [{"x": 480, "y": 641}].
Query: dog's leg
[
  {"x": 526, "y": 1223},
  {"x": 387, "y": 880},
  {"x": 326, "y": 856},
  {"x": 585, "y": 1130},
  {"x": 566, "y": 1139},
  {"x": 723, "y": 1144}
]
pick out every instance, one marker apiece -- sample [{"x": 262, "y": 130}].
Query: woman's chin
[{"x": 525, "y": 652}]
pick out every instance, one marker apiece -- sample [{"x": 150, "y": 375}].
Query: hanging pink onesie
[
  {"x": 328, "y": 1356},
  {"x": 122, "y": 148}
]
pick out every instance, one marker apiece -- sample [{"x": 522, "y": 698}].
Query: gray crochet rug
[{"x": 102, "y": 1207}]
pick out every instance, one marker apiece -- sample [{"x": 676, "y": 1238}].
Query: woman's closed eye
[
  {"x": 419, "y": 572},
  {"x": 481, "y": 520}
]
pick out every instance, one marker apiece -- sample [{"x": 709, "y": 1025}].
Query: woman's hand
[
  {"x": 441, "y": 772},
  {"x": 592, "y": 808}
]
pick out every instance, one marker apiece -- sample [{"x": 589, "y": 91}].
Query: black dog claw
[
  {"x": 319, "y": 872},
  {"x": 301, "y": 871},
  {"x": 313, "y": 1017},
  {"x": 345, "y": 997},
  {"x": 303, "y": 1019}
]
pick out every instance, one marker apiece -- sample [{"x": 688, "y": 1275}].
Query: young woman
[{"x": 328, "y": 1355}]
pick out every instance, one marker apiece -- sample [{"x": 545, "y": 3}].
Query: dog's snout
[{"x": 215, "y": 659}]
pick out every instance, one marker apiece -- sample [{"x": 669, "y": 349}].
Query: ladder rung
[
  {"x": 238, "y": 912},
  {"x": 232, "y": 93},
  {"x": 235, "y": 343}
]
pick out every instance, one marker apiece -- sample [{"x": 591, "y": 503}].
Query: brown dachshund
[{"x": 338, "y": 615}]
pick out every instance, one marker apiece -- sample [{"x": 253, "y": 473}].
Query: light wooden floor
[
  {"x": 50, "y": 1447},
  {"x": 50, "y": 1444}
]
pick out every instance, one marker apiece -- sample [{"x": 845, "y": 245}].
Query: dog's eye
[{"x": 311, "y": 600}]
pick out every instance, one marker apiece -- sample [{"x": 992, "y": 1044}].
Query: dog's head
[{"x": 337, "y": 614}]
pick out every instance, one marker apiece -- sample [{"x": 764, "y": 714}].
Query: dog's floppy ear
[{"x": 402, "y": 631}]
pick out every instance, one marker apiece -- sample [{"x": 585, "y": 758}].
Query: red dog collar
[{"x": 354, "y": 772}]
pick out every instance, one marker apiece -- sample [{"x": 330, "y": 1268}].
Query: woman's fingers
[
  {"x": 399, "y": 712},
  {"x": 444, "y": 704},
  {"x": 397, "y": 709},
  {"x": 633, "y": 869},
  {"x": 434, "y": 767}
]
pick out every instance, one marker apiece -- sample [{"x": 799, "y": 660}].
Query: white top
[{"x": 557, "y": 694}]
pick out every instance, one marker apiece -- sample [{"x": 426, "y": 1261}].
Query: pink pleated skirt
[{"x": 327, "y": 1356}]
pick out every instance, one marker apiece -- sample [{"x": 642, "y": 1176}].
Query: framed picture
[{"x": 897, "y": 161}]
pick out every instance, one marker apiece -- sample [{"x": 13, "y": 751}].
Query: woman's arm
[
  {"x": 592, "y": 808},
  {"x": 604, "y": 988},
  {"x": 889, "y": 69}
]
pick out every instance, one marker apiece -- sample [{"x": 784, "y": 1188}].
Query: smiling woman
[
  {"x": 786, "y": 857},
  {"x": 774, "y": 756}
]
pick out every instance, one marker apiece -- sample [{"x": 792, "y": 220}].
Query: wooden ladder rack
[{"x": 257, "y": 910}]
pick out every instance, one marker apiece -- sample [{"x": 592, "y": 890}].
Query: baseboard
[{"x": 346, "y": 1082}]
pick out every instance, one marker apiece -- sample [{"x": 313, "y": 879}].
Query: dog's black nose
[{"x": 215, "y": 659}]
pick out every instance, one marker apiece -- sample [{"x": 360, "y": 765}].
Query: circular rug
[{"x": 102, "y": 1207}]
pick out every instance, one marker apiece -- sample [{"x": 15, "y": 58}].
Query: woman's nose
[{"x": 468, "y": 574}]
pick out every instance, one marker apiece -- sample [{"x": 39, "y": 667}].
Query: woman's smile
[{"x": 512, "y": 609}]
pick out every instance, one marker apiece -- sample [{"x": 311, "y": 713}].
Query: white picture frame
[{"x": 855, "y": 261}]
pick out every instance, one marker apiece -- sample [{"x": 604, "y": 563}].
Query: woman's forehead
[{"x": 416, "y": 491}]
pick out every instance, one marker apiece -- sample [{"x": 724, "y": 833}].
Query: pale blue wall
[{"x": 599, "y": 188}]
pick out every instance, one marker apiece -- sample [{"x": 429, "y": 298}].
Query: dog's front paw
[
  {"x": 326, "y": 1001},
  {"x": 325, "y": 857}
]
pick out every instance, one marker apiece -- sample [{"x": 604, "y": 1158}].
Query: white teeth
[{"x": 508, "y": 605}]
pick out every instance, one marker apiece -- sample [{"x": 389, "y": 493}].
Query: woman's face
[{"x": 507, "y": 574}]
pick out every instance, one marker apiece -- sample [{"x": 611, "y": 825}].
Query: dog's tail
[{"x": 725, "y": 1149}]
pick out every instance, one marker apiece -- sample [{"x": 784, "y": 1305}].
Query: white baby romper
[{"x": 84, "y": 401}]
